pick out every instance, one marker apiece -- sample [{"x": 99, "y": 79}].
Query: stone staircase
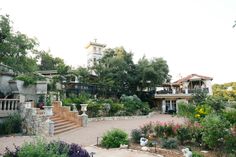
[
  {"x": 62, "y": 125},
  {"x": 64, "y": 119}
]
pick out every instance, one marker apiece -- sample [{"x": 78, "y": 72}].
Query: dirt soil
[{"x": 170, "y": 152}]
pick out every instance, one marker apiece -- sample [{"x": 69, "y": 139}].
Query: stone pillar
[
  {"x": 208, "y": 85},
  {"x": 163, "y": 106},
  {"x": 74, "y": 109},
  {"x": 84, "y": 120},
  {"x": 50, "y": 127},
  {"x": 84, "y": 116},
  {"x": 177, "y": 107},
  {"x": 186, "y": 87}
]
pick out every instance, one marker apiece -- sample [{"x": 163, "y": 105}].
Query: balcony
[{"x": 177, "y": 93}]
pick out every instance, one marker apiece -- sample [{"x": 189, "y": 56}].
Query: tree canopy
[
  {"x": 15, "y": 47},
  {"x": 151, "y": 73},
  {"x": 117, "y": 72},
  {"x": 227, "y": 91}
]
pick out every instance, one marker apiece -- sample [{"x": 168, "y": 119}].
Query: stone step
[
  {"x": 68, "y": 125},
  {"x": 55, "y": 118},
  {"x": 61, "y": 123},
  {"x": 59, "y": 120},
  {"x": 65, "y": 129}
]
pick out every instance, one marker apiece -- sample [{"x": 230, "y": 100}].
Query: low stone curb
[
  {"x": 120, "y": 117},
  {"x": 131, "y": 150}
]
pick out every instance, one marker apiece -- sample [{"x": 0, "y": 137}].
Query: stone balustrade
[
  {"x": 65, "y": 113},
  {"x": 8, "y": 106}
]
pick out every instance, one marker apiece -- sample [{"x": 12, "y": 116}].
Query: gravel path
[{"x": 87, "y": 136}]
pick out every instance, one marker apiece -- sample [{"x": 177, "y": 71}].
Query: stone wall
[
  {"x": 121, "y": 117},
  {"x": 34, "y": 123},
  {"x": 30, "y": 92},
  {"x": 4, "y": 86}
]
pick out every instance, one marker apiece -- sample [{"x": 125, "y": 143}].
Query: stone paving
[{"x": 87, "y": 136}]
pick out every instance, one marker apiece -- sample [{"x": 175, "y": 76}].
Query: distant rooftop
[
  {"x": 95, "y": 44},
  {"x": 193, "y": 77}
]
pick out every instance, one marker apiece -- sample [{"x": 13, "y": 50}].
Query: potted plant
[
  {"x": 48, "y": 107},
  {"x": 41, "y": 103}
]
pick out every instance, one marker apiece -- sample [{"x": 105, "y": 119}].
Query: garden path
[{"x": 87, "y": 136}]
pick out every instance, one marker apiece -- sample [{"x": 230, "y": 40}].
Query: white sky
[{"x": 194, "y": 36}]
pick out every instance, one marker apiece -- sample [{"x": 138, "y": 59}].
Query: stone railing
[
  {"x": 8, "y": 106},
  {"x": 65, "y": 113}
]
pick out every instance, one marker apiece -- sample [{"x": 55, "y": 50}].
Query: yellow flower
[
  {"x": 197, "y": 115},
  {"x": 201, "y": 111}
]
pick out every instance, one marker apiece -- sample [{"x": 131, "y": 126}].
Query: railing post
[
  {"x": 5, "y": 105},
  {"x": 9, "y": 105},
  {"x": 1, "y": 105},
  {"x": 14, "y": 105}
]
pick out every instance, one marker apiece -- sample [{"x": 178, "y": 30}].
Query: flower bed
[{"x": 41, "y": 148}]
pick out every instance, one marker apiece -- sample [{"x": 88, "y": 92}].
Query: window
[
  {"x": 94, "y": 49},
  {"x": 167, "y": 105},
  {"x": 174, "y": 105}
]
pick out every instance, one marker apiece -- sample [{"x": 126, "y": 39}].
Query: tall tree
[
  {"x": 15, "y": 47},
  {"x": 151, "y": 73},
  {"x": 83, "y": 74},
  {"x": 115, "y": 71},
  {"x": 48, "y": 62}
]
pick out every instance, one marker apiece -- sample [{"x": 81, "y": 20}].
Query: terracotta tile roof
[{"x": 187, "y": 78}]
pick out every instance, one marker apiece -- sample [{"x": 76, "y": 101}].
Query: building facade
[
  {"x": 94, "y": 52},
  {"x": 168, "y": 95}
]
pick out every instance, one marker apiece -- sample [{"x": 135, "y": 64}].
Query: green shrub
[
  {"x": 12, "y": 124},
  {"x": 116, "y": 108},
  {"x": 216, "y": 103},
  {"x": 58, "y": 147},
  {"x": 186, "y": 110},
  {"x": 184, "y": 134},
  {"x": 134, "y": 106},
  {"x": 94, "y": 109},
  {"x": 196, "y": 132},
  {"x": 169, "y": 143},
  {"x": 40, "y": 148},
  {"x": 230, "y": 116},
  {"x": 136, "y": 134},
  {"x": 215, "y": 129},
  {"x": 230, "y": 141},
  {"x": 196, "y": 154},
  {"x": 113, "y": 138},
  {"x": 199, "y": 96},
  {"x": 232, "y": 104},
  {"x": 145, "y": 109},
  {"x": 83, "y": 97},
  {"x": 30, "y": 79},
  {"x": 67, "y": 101}
]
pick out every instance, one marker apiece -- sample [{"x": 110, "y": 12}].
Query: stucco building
[{"x": 168, "y": 95}]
